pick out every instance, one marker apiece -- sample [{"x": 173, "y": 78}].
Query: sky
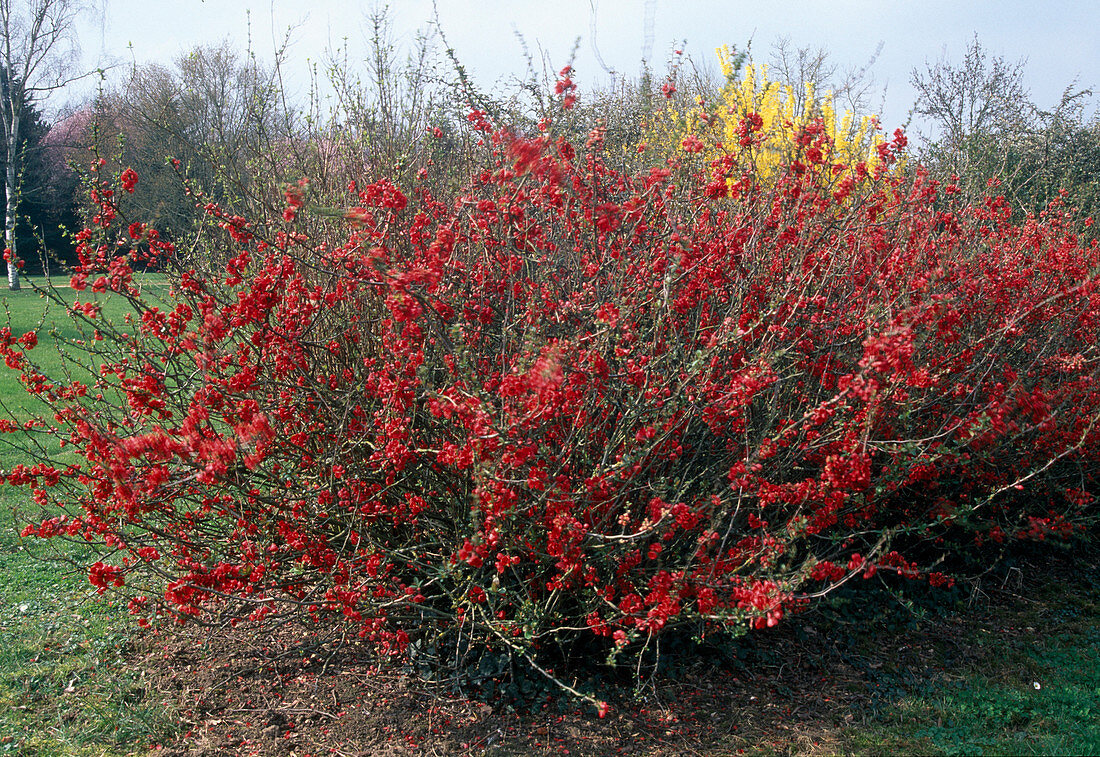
[{"x": 1056, "y": 38}]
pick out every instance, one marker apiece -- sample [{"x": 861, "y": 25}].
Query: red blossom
[{"x": 129, "y": 179}]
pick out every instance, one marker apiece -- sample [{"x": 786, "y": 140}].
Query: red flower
[
  {"x": 565, "y": 86},
  {"x": 129, "y": 179},
  {"x": 692, "y": 143},
  {"x": 526, "y": 153}
]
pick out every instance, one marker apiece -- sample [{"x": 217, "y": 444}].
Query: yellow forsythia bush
[{"x": 769, "y": 126}]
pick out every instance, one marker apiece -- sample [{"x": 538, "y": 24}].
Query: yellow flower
[{"x": 768, "y": 126}]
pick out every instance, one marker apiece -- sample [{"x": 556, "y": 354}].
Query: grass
[
  {"x": 951, "y": 675},
  {"x": 1016, "y": 670},
  {"x": 28, "y": 309},
  {"x": 1032, "y": 687},
  {"x": 65, "y": 688}
]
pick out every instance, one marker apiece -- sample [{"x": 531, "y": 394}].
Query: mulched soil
[
  {"x": 243, "y": 695},
  {"x": 795, "y": 691}
]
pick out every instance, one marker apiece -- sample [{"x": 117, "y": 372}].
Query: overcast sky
[{"x": 1058, "y": 38}]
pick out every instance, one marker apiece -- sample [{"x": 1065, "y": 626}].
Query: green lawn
[
  {"x": 1022, "y": 678},
  {"x": 64, "y": 686},
  {"x": 28, "y": 309}
]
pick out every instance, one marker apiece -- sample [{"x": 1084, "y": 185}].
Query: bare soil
[{"x": 799, "y": 689}]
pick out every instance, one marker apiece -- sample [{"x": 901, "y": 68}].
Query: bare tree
[
  {"x": 980, "y": 99},
  {"x": 37, "y": 53},
  {"x": 796, "y": 68},
  {"x": 851, "y": 89},
  {"x": 385, "y": 115},
  {"x": 213, "y": 116}
]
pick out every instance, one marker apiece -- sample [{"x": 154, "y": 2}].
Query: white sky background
[{"x": 1060, "y": 39}]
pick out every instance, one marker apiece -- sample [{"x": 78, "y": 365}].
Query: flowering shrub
[
  {"x": 569, "y": 402},
  {"x": 781, "y": 127}
]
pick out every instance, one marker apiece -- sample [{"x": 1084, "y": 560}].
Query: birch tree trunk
[{"x": 11, "y": 197}]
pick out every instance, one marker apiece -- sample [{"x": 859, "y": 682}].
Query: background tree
[
  {"x": 971, "y": 107},
  {"x": 987, "y": 128},
  {"x": 37, "y": 49},
  {"x": 387, "y": 106},
  {"x": 215, "y": 117},
  {"x": 1058, "y": 152},
  {"x": 44, "y": 190},
  {"x": 853, "y": 89}
]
